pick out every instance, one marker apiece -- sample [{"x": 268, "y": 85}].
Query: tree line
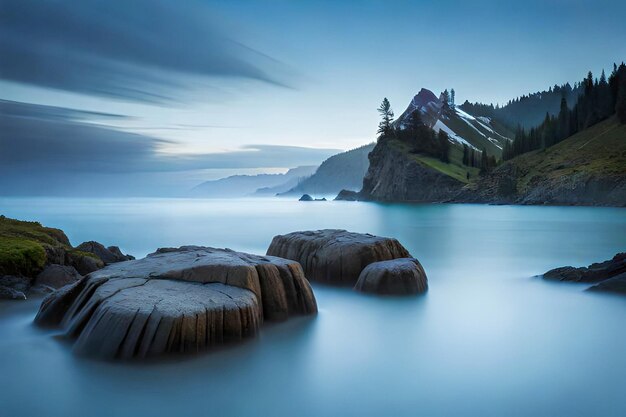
[
  {"x": 527, "y": 110},
  {"x": 414, "y": 132},
  {"x": 600, "y": 99}
]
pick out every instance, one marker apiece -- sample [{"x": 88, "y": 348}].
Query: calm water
[{"x": 486, "y": 340}]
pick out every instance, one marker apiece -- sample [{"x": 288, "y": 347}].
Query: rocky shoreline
[
  {"x": 187, "y": 299},
  {"x": 35, "y": 259},
  {"x": 609, "y": 276}
]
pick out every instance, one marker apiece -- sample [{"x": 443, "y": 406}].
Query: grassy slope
[
  {"x": 22, "y": 246},
  {"x": 454, "y": 169},
  {"x": 599, "y": 150}
]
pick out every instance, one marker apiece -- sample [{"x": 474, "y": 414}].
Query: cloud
[
  {"x": 42, "y": 148},
  {"x": 142, "y": 50}
]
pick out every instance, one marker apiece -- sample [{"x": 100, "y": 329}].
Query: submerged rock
[
  {"x": 177, "y": 300},
  {"x": 335, "y": 256},
  {"x": 593, "y": 273},
  {"x": 394, "y": 277}
]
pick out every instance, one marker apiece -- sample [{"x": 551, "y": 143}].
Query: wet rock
[
  {"x": 335, "y": 256},
  {"x": 14, "y": 287},
  {"x": 54, "y": 277},
  {"x": 347, "y": 195},
  {"x": 108, "y": 255},
  {"x": 616, "y": 284},
  {"x": 115, "y": 250},
  {"x": 177, "y": 300},
  {"x": 394, "y": 277},
  {"x": 84, "y": 263},
  {"x": 593, "y": 273}
]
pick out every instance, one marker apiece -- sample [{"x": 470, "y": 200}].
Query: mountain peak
[{"x": 424, "y": 99}]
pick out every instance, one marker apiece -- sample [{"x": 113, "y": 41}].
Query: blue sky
[{"x": 200, "y": 78}]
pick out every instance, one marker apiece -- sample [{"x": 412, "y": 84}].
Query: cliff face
[{"x": 396, "y": 175}]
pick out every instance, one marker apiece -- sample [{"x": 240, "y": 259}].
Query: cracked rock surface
[
  {"x": 176, "y": 300},
  {"x": 335, "y": 256}
]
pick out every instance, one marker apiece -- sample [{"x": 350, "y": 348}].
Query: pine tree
[
  {"x": 386, "y": 113},
  {"x": 452, "y": 98},
  {"x": 563, "y": 127},
  {"x": 444, "y": 146},
  {"x": 484, "y": 161},
  {"x": 465, "y": 154},
  {"x": 620, "y": 104}
]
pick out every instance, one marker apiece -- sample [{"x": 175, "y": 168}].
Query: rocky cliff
[
  {"x": 395, "y": 174},
  {"x": 588, "y": 168}
]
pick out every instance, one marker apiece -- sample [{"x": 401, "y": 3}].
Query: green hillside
[{"x": 599, "y": 150}]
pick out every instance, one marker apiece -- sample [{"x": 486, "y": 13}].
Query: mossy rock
[
  {"x": 20, "y": 256},
  {"x": 23, "y": 246}
]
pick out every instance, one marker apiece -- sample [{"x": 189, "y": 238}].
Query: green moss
[
  {"x": 22, "y": 246},
  {"x": 19, "y": 256},
  {"x": 79, "y": 253}
]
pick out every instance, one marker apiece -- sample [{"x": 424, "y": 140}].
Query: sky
[{"x": 152, "y": 97}]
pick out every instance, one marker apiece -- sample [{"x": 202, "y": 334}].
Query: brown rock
[
  {"x": 335, "y": 256},
  {"x": 395, "y": 277}
]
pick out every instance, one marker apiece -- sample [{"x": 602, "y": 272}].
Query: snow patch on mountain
[
  {"x": 462, "y": 127},
  {"x": 439, "y": 125}
]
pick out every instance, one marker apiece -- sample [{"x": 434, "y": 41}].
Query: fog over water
[{"x": 488, "y": 339}]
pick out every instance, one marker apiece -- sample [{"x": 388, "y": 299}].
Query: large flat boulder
[
  {"x": 177, "y": 300},
  {"x": 335, "y": 256},
  {"x": 403, "y": 276}
]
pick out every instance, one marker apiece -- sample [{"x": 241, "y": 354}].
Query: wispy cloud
[
  {"x": 140, "y": 50},
  {"x": 43, "y": 147}
]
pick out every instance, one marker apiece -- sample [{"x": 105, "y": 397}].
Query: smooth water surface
[{"x": 488, "y": 339}]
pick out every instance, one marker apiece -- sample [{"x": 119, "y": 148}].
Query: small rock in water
[
  {"x": 394, "y": 277},
  {"x": 593, "y": 273},
  {"x": 306, "y": 197}
]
